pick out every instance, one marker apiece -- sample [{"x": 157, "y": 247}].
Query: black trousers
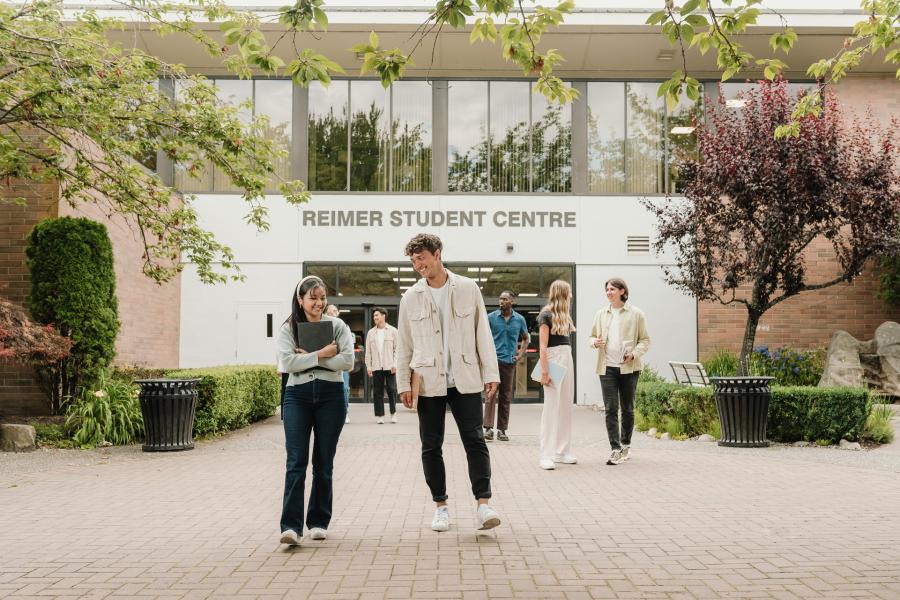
[
  {"x": 381, "y": 380},
  {"x": 618, "y": 391},
  {"x": 466, "y": 409}
]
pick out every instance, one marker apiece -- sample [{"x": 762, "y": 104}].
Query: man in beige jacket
[
  {"x": 381, "y": 363},
  {"x": 445, "y": 339}
]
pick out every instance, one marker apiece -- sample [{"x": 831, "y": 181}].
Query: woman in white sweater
[{"x": 313, "y": 405}]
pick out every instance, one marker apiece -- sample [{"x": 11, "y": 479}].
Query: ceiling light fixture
[{"x": 665, "y": 55}]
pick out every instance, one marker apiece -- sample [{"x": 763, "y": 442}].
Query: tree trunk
[{"x": 747, "y": 345}]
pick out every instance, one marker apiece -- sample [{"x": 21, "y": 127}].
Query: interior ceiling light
[
  {"x": 681, "y": 130},
  {"x": 665, "y": 55}
]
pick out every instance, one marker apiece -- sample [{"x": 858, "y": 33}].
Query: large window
[
  {"x": 269, "y": 98},
  {"x": 384, "y": 135},
  {"x": 504, "y": 138}
]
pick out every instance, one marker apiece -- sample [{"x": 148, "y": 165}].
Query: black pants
[
  {"x": 383, "y": 379},
  {"x": 618, "y": 391},
  {"x": 466, "y": 409}
]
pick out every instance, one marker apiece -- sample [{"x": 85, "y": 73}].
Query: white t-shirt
[
  {"x": 379, "y": 339},
  {"x": 615, "y": 350},
  {"x": 441, "y": 297}
]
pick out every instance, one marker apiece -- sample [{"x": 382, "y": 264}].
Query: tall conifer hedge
[{"x": 73, "y": 286}]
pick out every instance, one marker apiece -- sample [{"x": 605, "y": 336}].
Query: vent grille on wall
[{"x": 638, "y": 244}]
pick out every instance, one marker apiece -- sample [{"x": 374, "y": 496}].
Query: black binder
[{"x": 315, "y": 336}]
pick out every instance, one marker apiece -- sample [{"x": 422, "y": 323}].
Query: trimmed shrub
[
  {"x": 694, "y": 408},
  {"x": 232, "y": 397},
  {"x": 73, "y": 287},
  {"x": 795, "y": 413}
]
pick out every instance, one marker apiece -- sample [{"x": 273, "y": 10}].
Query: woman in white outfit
[{"x": 555, "y": 327}]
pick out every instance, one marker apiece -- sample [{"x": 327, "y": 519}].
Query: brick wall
[
  {"x": 149, "y": 313},
  {"x": 808, "y": 320},
  {"x": 19, "y": 393}
]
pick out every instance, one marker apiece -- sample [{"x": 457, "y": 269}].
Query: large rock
[
  {"x": 874, "y": 364},
  {"x": 887, "y": 345},
  {"x": 842, "y": 365},
  {"x": 17, "y": 438}
]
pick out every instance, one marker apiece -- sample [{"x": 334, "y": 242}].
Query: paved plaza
[{"x": 681, "y": 520}]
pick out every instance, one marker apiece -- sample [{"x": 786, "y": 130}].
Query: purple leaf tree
[{"x": 753, "y": 204}]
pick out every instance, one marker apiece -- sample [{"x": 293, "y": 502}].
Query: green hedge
[
  {"x": 814, "y": 413},
  {"x": 795, "y": 413},
  {"x": 232, "y": 397}
]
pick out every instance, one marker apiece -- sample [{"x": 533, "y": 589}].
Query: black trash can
[
  {"x": 743, "y": 405},
  {"x": 168, "y": 408}
]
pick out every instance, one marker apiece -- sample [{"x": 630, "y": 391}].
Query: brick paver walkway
[{"x": 682, "y": 520}]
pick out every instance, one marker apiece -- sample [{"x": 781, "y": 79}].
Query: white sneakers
[
  {"x": 548, "y": 464},
  {"x": 626, "y": 453},
  {"x": 347, "y": 420},
  {"x": 394, "y": 418},
  {"x": 614, "y": 458},
  {"x": 380, "y": 420},
  {"x": 441, "y": 520},
  {"x": 290, "y": 537},
  {"x": 486, "y": 517},
  {"x": 317, "y": 533}
]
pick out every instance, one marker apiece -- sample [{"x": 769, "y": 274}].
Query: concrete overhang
[{"x": 602, "y": 39}]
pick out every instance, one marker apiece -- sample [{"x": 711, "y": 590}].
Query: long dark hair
[{"x": 297, "y": 315}]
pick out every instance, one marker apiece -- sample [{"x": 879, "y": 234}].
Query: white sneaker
[
  {"x": 614, "y": 458},
  {"x": 380, "y": 420},
  {"x": 547, "y": 464},
  {"x": 626, "y": 453},
  {"x": 441, "y": 520},
  {"x": 566, "y": 459},
  {"x": 486, "y": 517},
  {"x": 317, "y": 533},
  {"x": 290, "y": 537},
  {"x": 347, "y": 420},
  {"x": 394, "y": 418}
]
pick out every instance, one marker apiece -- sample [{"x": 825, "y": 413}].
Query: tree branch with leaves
[{"x": 754, "y": 204}]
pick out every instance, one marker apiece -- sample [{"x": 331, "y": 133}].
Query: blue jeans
[
  {"x": 315, "y": 408},
  {"x": 346, "y": 375}
]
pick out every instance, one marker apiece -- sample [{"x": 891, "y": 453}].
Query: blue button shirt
[{"x": 507, "y": 334}]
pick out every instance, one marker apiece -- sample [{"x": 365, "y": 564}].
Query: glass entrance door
[
  {"x": 357, "y": 288},
  {"x": 359, "y": 319}
]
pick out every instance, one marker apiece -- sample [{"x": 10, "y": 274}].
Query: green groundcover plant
[{"x": 108, "y": 413}]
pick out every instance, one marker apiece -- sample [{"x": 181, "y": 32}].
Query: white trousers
[{"x": 556, "y": 418}]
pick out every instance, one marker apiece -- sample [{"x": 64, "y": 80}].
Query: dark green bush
[
  {"x": 795, "y": 413},
  {"x": 814, "y": 413},
  {"x": 73, "y": 286},
  {"x": 232, "y": 397}
]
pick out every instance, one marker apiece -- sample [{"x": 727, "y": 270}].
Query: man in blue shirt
[{"x": 510, "y": 339}]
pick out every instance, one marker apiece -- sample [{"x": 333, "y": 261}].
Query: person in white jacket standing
[
  {"x": 381, "y": 363},
  {"x": 445, "y": 339}
]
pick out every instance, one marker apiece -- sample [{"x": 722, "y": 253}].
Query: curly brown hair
[{"x": 423, "y": 241}]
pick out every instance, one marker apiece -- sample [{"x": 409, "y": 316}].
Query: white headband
[{"x": 297, "y": 290}]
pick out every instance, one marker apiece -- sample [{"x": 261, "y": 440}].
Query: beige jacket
[
  {"x": 387, "y": 358},
  {"x": 633, "y": 331},
  {"x": 473, "y": 358}
]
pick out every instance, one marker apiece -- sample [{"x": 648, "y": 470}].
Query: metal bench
[{"x": 689, "y": 373}]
